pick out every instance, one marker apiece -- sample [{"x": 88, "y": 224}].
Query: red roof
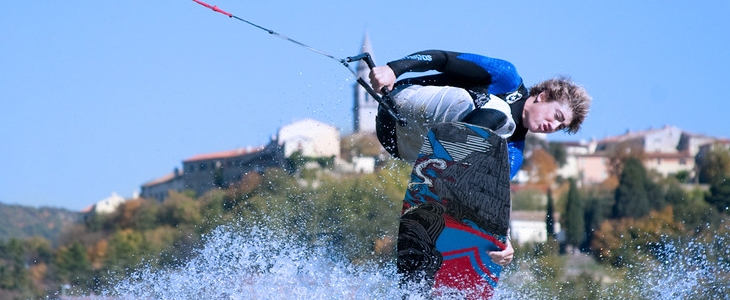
[
  {"x": 680, "y": 154},
  {"x": 223, "y": 154},
  {"x": 162, "y": 179},
  {"x": 87, "y": 209}
]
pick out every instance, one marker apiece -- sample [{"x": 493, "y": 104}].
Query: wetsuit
[{"x": 468, "y": 87}]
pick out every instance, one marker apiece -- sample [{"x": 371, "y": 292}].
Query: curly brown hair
[{"x": 564, "y": 90}]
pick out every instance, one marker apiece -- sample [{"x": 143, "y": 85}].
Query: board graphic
[{"x": 455, "y": 210}]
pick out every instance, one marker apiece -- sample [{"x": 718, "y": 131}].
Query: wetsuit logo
[
  {"x": 421, "y": 57},
  {"x": 513, "y": 97}
]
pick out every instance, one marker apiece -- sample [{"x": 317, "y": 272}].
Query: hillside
[{"x": 17, "y": 221}]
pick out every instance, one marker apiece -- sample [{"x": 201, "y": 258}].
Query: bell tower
[{"x": 365, "y": 107}]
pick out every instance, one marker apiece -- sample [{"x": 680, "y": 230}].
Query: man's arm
[
  {"x": 514, "y": 152},
  {"x": 462, "y": 65},
  {"x": 468, "y": 69}
]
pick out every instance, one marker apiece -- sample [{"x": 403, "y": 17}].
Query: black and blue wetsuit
[{"x": 481, "y": 77}]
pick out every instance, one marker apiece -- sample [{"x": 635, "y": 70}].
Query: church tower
[{"x": 365, "y": 108}]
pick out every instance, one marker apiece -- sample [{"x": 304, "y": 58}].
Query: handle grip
[{"x": 385, "y": 100}]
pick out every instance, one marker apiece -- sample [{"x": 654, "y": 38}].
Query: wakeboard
[{"x": 456, "y": 209}]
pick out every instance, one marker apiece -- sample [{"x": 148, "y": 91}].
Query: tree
[
  {"x": 619, "y": 154},
  {"x": 549, "y": 216},
  {"x": 124, "y": 249},
  {"x": 360, "y": 144},
  {"x": 631, "y": 195},
  {"x": 719, "y": 194},
  {"x": 179, "y": 209},
  {"x": 533, "y": 142},
  {"x": 13, "y": 274},
  {"x": 73, "y": 266},
  {"x": 632, "y": 241},
  {"x": 557, "y": 150},
  {"x": 692, "y": 208},
  {"x": 147, "y": 216},
  {"x": 574, "y": 216},
  {"x": 37, "y": 250},
  {"x": 598, "y": 209},
  {"x": 712, "y": 164},
  {"x": 542, "y": 166}
]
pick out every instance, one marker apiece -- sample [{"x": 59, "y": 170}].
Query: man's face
[{"x": 544, "y": 116}]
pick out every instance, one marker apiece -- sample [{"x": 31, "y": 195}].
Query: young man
[{"x": 473, "y": 89}]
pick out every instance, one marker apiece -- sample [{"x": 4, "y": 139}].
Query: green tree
[
  {"x": 528, "y": 199},
  {"x": 557, "y": 150},
  {"x": 719, "y": 194},
  {"x": 619, "y": 154},
  {"x": 146, "y": 217},
  {"x": 179, "y": 209},
  {"x": 631, "y": 241},
  {"x": 533, "y": 142},
  {"x": 598, "y": 208},
  {"x": 13, "y": 274},
  {"x": 692, "y": 209},
  {"x": 575, "y": 217},
  {"x": 72, "y": 266},
  {"x": 656, "y": 188},
  {"x": 631, "y": 196},
  {"x": 295, "y": 161},
  {"x": 124, "y": 251},
  {"x": 549, "y": 216},
  {"x": 714, "y": 163},
  {"x": 37, "y": 250}
]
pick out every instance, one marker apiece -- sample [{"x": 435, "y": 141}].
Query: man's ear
[{"x": 540, "y": 97}]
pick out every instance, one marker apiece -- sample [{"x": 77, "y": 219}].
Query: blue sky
[{"x": 101, "y": 96}]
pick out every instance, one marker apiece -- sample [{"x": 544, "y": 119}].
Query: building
[
  {"x": 222, "y": 169},
  {"x": 160, "y": 187},
  {"x": 109, "y": 204},
  {"x": 204, "y": 172},
  {"x": 667, "y": 151},
  {"x": 530, "y": 226},
  {"x": 311, "y": 137},
  {"x": 365, "y": 106}
]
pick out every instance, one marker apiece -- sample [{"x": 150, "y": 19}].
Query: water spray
[{"x": 385, "y": 101}]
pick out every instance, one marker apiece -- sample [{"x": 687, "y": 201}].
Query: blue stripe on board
[
  {"x": 479, "y": 130},
  {"x": 438, "y": 150},
  {"x": 452, "y": 239}
]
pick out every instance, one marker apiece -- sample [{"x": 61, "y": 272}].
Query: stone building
[
  {"x": 311, "y": 137},
  {"x": 667, "y": 151},
  {"x": 204, "y": 172}
]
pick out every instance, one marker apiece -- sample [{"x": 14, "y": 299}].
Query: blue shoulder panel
[{"x": 504, "y": 75}]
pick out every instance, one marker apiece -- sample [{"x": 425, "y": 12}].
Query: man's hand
[
  {"x": 504, "y": 257},
  {"x": 381, "y": 77}
]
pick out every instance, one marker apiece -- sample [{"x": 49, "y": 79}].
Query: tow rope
[{"x": 385, "y": 101}]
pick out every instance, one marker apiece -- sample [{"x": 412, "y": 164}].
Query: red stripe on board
[
  {"x": 453, "y": 223},
  {"x": 477, "y": 257}
]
